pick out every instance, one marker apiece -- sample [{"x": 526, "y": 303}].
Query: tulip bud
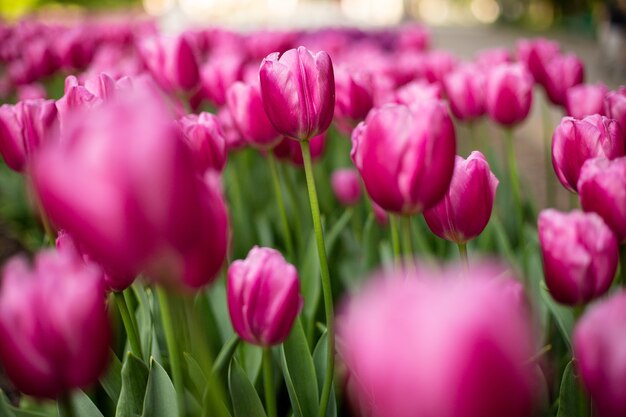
[
  {"x": 405, "y": 157},
  {"x": 466, "y": 208},
  {"x": 574, "y": 141},
  {"x": 204, "y": 136},
  {"x": 580, "y": 255},
  {"x": 562, "y": 73},
  {"x": 508, "y": 94},
  {"x": 264, "y": 299},
  {"x": 172, "y": 61},
  {"x": 599, "y": 340},
  {"x": 218, "y": 74},
  {"x": 246, "y": 107},
  {"x": 615, "y": 107},
  {"x": 54, "y": 325},
  {"x": 465, "y": 91},
  {"x": 289, "y": 150},
  {"x": 355, "y": 97},
  {"x": 602, "y": 189},
  {"x": 23, "y": 128},
  {"x": 535, "y": 54},
  {"x": 346, "y": 186},
  {"x": 585, "y": 100},
  {"x": 298, "y": 90}
]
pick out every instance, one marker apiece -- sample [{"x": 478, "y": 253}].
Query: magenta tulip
[
  {"x": 466, "y": 208},
  {"x": 204, "y": 136},
  {"x": 415, "y": 93},
  {"x": 355, "y": 97},
  {"x": 536, "y": 54},
  {"x": 218, "y": 74},
  {"x": 465, "y": 89},
  {"x": 439, "y": 64},
  {"x": 31, "y": 91},
  {"x": 615, "y": 107},
  {"x": 574, "y": 141},
  {"x": 346, "y": 185},
  {"x": 508, "y": 94},
  {"x": 298, "y": 90},
  {"x": 585, "y": 100},
  {"x": 490, "y": 58},
  {"x": 580, "y": 255},
  {"x": 599, "y": 346},
  {"x": 171, "y": 60},
  {"x": 53, "y": 323},
  {"x": 562, "y": 73},
  {"x": 405, "y": 157},
  {"x": 264, "y": 299},
  {"x": 233, "y": 137}
]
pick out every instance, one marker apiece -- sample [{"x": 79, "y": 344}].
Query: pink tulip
[
  {"x": 535, "y": 54},
  {"x": 508, "y": 94},
  {"x": 24, "y": 127},
  {"x": 585, "y": 100},
  {"x": 233, "y": 137},
  {"x": 562, "y": 73},
  {"x": 264, "y": 299},
  {"x": 599, "y": 345},
  {"x": 580, "y": 255},
  {"x": 298, "y": 90},
  {"x": 615, "y": 107},
  {"x": 465, "y": 89},
  {"x": 355, "y": 97},
  {"x": 466, "y": 208},
  {"x": 574, "y": 141},
  {"x": 479, "y": 339},
  {"x": 172, "y": 61},
  {"x": 439, "y": 64},
  {"x": 53, "y": 323},
  {"x": 415, "y": 93},
  {"x": 31, "y": 91},
  {"x": 490, "y": 58},
  {"x": 346, "y": 185},
  {"x": 405, "y": 157},
  {"x": 204, "y": 136},
  {"x": 246, "y": 107},
  {"x": 289, "y": 150},
  {"x": 602, "y": 189},
  {"x": 218, "y": 74}
]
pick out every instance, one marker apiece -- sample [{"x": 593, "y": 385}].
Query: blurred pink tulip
[
  {"x": 204, "y": 136},
  {"x": 218, "y": 74},
  {"x": 465, "y": 89},
  {"x": 355, "y": 97},
  {"x": 535, "y": 54},
  {"x": 31, "y": 91},
  {"x": 346, "y": 185},
  {"x": 439, "y": 64},
  {"x": 615, "y": 107},
  {"x": 586, "y": 100},
  {"x": 233, "y": 137},
  {"x": 489, "y": 58},
  {"x": 508, "y": 94},
  {"x": 171, "y": 60},
  {"x": 562, "y": 73},
  {"x": 415, "y": 93}
]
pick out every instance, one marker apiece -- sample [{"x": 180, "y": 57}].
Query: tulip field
[{"x": 285, "y": 223}]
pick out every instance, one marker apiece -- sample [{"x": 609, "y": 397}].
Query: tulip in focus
[
  {"x": 466, "y": 208},
  {"x": 54, "y": 325},
  {"x": 615, "y": 107},
  {"x": 465, "y": 89},
  {"x": 599, "y": 345},
  {"x": 346, "y": 186},
  {"x": 585, "y": 100},
  {"x": 580, "y": 255},
  {"x": 204, "y": 136},
  {"x": 298, "y": 90},
  {"x": 562, "y": 73},
  {"x": 264, "y": 299},
  {"x": 508, "y": 94},
  {"x": 574, "y": 141}
]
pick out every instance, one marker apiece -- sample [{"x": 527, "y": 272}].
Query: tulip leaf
[
  {"x": 310, "y": 279},
  {"x": 160, "y": 400},
  {"x": 111, "y": 381},
  {"x": 250, "y": 358},
  {"x": 564, "y": 317},
  {"x": 246, "y": 401},
  {"x": 196, "y": 376},
  {"x": 134, "y": 381},
  {"x": 572, "y": 399},
  {"x": 5, "y": 408},
  {"x": 319, "y": 359},
  {"x": 82, "y": 406},
  {"x": 299, "y": 372},
  {"x": 335, "y": 231}
]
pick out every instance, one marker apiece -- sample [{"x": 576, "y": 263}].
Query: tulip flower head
[
  {"x": 615, "y": 107},
  {"x": 346, "y": 186},
  {"x": 508, "y": 94},
  {"x": 562, "y": 73},
  {"x": 465, "y": 90},
  {"x": 204, "y": 136},
  {"x": 585, "y": 100},
  {"x": 536, "y": 54}
]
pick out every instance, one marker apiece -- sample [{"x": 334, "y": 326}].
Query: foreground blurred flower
[
  {"x": 23, "y": 128},
  {"x": 508, "y": 93},
  {"x": 575, "y": 141},
  {"x": 204, "y": 136},
  {"x": 479, "y": 337},
  {"x": 298, "y": 90},
  {"x": 465, "y": 88},
  {"x": 171, "y": 60},
  {"x": 562, "y": 73},
  {"x": 466, "y": 208},
  {"x": 585, "y": 100},
  {"x": 602, "y": 189},
  {"x": 54, "y": 325},
  {"x": 599, "y": 343},
  {"x": 535, "y": 54},
  {"x": 405, "y": 157},
  {"x": 615, "y": 107},
  {"x": 263, "y": 297},
  {"x": 580, "y": 255},
  {"x": 346, "y": 186}
]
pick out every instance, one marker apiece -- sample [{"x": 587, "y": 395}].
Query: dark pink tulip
[
  {"x": 415, "y": 93},
  {"x": 298, "y": 89},
  {"x": 23, "y": 129},
  {"x": 413, "y": 37},
  {"x": 602, "y": 189},
  {"x": 465, "y": 210},
  {"x": 172, "y": 61},
  {"x": 599, "y": 346},
  {"x": 490, "y": 58},
  {"x": 264, "y": 299},
  {"x": 289, "y": 150},
  {"x": 615, "y": 107},
  {"x": 405, "y": 157},
  {"x": 75, "y": 47},
  {"x": 580, "y": 255},
  {"x": 535, "y": 54},
  {"x": 508, "y": 93},
  {"x": 218, "y": 74},
  {"x": 586, "y": 99},
  {"x": 574, "y": 141},
  {"x": 355, "y": 97},
  {"x": 465, "y": 89},
  {"x": 53, "y": 323},
  {"x": 233, "y": 137},
  {"x": 31, "y": 91},
  {"x": 246, "y": 107},
  {"x": 439, "y": 64},
  {"x": 346, "y": 186},
  {"x": 562, "y": 73},
  {"x": 204, "y": 136},
  {"x": 479, "y": 337}
]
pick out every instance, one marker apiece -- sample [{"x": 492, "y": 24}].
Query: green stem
[
  {"x": 515, "y": 182},
  {"x": 281, "y": 206},
  {"x": 463, "y": 254},
  {"x": 407, "y": 240},
  {"x": 66, "y": 407},
  {"x": 547, "y": 151},
  {"x": 130, "y": 325},
  {"x": 622, "y": 264},
  {"x": 268, "y": 382},
  {"x": 223, "y": 359},
  {"x": 395, "y": 235},
  {"x": 325, "y": 274},
  {"x": 172, "y": 348}
]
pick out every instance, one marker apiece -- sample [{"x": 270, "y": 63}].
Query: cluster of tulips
[{"x": 174, "y": 183}]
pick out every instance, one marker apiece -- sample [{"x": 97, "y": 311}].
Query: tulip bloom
[
  {"x": 172, "y": 61},
  {"x": 204, "y": 136},
  {"x": 599, "y": 341},
  {"x": 574, "y": 141},
  {"x": 490, "y": 58},
  {"x": 218, "y": 74},
  {"x": 355, "y": 97},
  {"x": 465, "y": 210},
  {"x": 465, "y": 91},
  {"x": 23, "y": 128},
  {"x": 346, "y": 186},
  {"x": 536, "y": 54},
  {"x": 580, "y": 255},
  {"x": 405, "y": 157},
  {"x": 438, "y": 65},
  {"x": 54, "y": 325},
  {"x": 585, "y": 100},
  {"x": 479, "y": 337},
  {"x": 615, "y": 107},
  {"x": 562, "y": 73},
  {"x": 415, "y": 93},
  {"x": 298, "y": 90},
  {"x": 264, "y": 299},
  {"x": 508, "y": 94},
  {"x": 602, "y": 189}
]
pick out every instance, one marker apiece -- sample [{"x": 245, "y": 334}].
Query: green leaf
[
  {"x": 134, "y": 381},
  {"x": 5, "y": 408},
  {"x": 250, "y": 358},
  {"x": 319, "y": 359},
  {"x": 572, "y": 399},
  {"x": 564, "y": 316},
  {"x": 299, "y": 372},
  {"x": 196, "y": 376},
  {"x": 83, "y": 406},
  {"x": 145, "y": 322},
  {"x": 112, "y": 381},
  {"x": 160, "y": 400},
  {"x": 310, "y": 279},
  {"x": 246, "y": 402},
  {"x": 333, "y": 234}
]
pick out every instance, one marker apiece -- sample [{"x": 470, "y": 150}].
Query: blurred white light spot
[
  {"x": 281, "y": 8},
  {"x": 375, "y": 12},
  {"x": 157, "y": 7},
  {"x": 485, "y": 11},
  {"x": 434, "y": 12}
]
